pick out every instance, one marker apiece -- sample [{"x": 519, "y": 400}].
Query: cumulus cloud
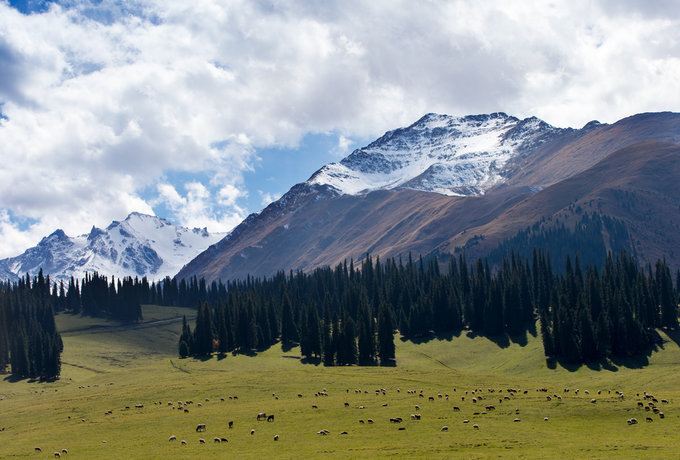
[
  {"x": 268, "y": 197},
  {"x": 102, "y": 100}
]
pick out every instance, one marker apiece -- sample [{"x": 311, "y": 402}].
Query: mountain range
[
  {"x": 442, "y": 186},
  {"x": 140, "y": 245},
  {"x": 446, "y": 185}
]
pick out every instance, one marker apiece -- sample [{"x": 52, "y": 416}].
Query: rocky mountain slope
[
  {"x": 140, "y": 245},
  {"x": 448, "y": 183}
]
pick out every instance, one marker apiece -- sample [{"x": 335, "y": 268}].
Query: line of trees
[
  {"x": 29, "y": 341},
  {"x": 95, "y": 295},
  {"x": 348, "y": 316}
]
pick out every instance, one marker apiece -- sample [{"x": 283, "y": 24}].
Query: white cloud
[
  {"x": 104, "y": 99},
  {"x": 268, "y": 198},
  {"x": 196, "y": 207}
]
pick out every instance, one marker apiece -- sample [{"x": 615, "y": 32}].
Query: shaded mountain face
[
  {"x": 140, "y": 245},
  {"x": 447, "y": 184}
]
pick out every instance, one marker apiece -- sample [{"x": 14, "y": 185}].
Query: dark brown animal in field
[
  {"x": 270, "y": 417},
  {"x": 261, "y": 416},
  {"x": 276, "y": 437},
  {"x": 230, "y": 424},
  {"x": 456, "y": 409},
  {"x": 200, "y": 427}
]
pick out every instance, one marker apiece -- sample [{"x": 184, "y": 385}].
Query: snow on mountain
[
  {"x": 438, "y": 153},
  {"x": 140, "y": 245}
]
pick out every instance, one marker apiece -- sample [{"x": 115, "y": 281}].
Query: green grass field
[{"x": 107, "y": 367}]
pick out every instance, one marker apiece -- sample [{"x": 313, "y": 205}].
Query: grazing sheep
[
  {"x": 200, "y": 427},
  {"x": 37, "y": 449},
  {"x": 370, "y": 421},
  {"x": 201, "y": 441},
  {"x": 475, "y": 426},
  {"x": 516, "y": 420},
  {"x": 649, "y": 419},
  {"x": 361, "y": 421},
  {"x": 314, "y": 406},
  {"x": 466, "y": 421},
  {"x": 270, "y": 417},
  {"x": 665, "y": 401},
  {"x": 139, "y": 406},
  {"x": 276, "y": 437},
  {"x": 417, "y": 407},
  {"x": 230, "y": 424},
  {"x": 640, "y": 405},
  {"x": 172, "y": 438},
  {"x": 57, "y": 454},
  {"x": 252, "y": 432},
  {"x": 632, "y": 421},
  {"x": 384, "y": 405},
  {"x": 545, "y": 419},
  {"x": 402, "y": 428},
  {"x": 224, "y": 440},
  {"x": 396, "y": 420},
  {"x": 299, "y": 395},
  {"x": 346, "y": 404},
  {"x": 431, "y": 398},
  {"x": 593, "y": 401},
  {"x": 183, "y": 442},
  {"x": 323, "y": 432},
  {"x": 343, "y": 433},
  {"x": 661, "y": 415},
  {"x": 456, "y": 409},
  {"x": 217, "y": 440},
  {"x": 261, "y": 416},
  {"x": 444, "y": 428}
]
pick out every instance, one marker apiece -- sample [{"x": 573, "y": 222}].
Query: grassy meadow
[{"x": 108, "y": 366}]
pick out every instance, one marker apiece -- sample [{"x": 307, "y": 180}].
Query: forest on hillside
[{"x": 349, "y": 314}]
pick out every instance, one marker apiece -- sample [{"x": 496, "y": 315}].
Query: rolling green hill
[{"x": 108, "y": 366}]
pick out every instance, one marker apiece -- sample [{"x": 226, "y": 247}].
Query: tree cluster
[
  {"x": 345, "y": 316},
  {"x": 29, "y": 341}
]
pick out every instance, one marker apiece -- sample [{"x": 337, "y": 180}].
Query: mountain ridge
[
  {"x": 316, "y": 223},
  {"x": 139, "y": 245}
]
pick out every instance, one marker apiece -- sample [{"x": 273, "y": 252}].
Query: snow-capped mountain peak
[
  {"x": 139, "y": 245},
  {"x": 438, "y": 153}
]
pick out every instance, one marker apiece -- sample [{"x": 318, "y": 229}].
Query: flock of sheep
[
  {"x": 482, "y": 403},
  {"x": 485, "y": 401}
]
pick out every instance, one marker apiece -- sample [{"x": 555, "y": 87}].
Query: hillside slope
[{"x": 600, "y": 169}]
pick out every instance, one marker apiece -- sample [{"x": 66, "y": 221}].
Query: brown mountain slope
[
  {"x": 627, "y": 170},
  {"x": 637, "y": 185},
  {"x": 578, "y": 152}
]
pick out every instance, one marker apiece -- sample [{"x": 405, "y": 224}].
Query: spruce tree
[{"x": 386, "y": 349}]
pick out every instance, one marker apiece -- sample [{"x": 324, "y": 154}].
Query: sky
[{"x": 205, "y": 111}]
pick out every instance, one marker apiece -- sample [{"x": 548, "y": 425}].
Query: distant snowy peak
[
  {"x": 140, "y": 245},
  {"x": 438, "y": 153}
]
